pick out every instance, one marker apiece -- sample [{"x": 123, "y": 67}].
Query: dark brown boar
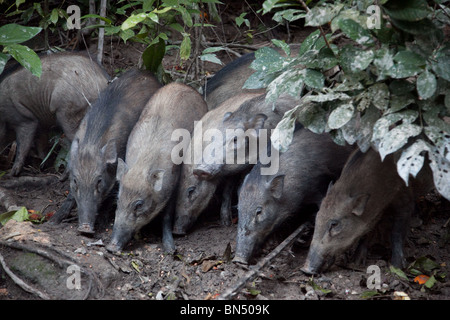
[{"x": 367, "y": 188}]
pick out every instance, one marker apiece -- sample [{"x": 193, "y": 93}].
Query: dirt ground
[{"x": 43, "y": 255}]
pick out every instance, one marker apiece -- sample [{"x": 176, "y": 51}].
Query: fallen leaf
[
  {"x": 400, "y": 295},
  {"x": 421, "y": 279}
]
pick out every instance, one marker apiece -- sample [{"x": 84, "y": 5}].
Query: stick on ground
[{"x": 253, "y": 273}]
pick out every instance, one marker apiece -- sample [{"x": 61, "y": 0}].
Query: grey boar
[
  {"x": 149, "y": 177},
  {"x": 194, "y": 194},
  {"x": 69, "y": 83},
  {"x": 247, "y": 113},
  {"x": 240, "y": 134},
  {"x": 354, "y": 205},
  {"x": 228, "y": 81},
  {"x": 267, "y": 201},
  {"x": 101, "y": 140}
]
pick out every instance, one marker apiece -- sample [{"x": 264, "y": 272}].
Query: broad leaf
[
  {"x": 26, "y": 57},
  {"x": 411, "y": 160},
  {"x": 341, "y": 115},
  {"x": 397, "y": 138},
  {"x": 354, "y": 59},
  {"x": 356, "y": 32},
  {"x": 319, "y": 15},
  {"x": 409, "y": 10},
  {"x": 15, "y": 33},
  {"x": 426, "y": 84}
]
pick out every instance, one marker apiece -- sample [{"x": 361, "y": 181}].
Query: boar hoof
[
  {"x": 86, "y": 229},
  {"x": 113, "y": 248},
  {"x": 239, "y": 260},
  {"x": 178, "y": 231}
]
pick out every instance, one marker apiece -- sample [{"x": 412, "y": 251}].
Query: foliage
[
  {"x": 152, "y": 22},
  {"x": 379, "y": 77},
  {"x": 11, "y": 35}
]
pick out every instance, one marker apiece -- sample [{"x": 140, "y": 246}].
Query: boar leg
[
  {"x": 402, "y": 208},
  {"x": 167, "y": 237},
  {"x": 225, "y": 208},
  {"x": 25, "y": 133},
  {"x": 64, "y": 211}
]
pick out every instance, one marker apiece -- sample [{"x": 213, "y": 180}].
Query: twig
[
  {"x": 322, "y": 33},
  {"x": 101, "y": 33},
  {"x": 253, "y": 273}
]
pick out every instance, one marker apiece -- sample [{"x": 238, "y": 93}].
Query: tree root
[
  {"x": 253, "y": 273},
  {"x": 56, "y": 256}
]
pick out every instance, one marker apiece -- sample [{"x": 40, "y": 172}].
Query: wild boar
[
  {"x": 149, "y": 177},
  {"x": 70, "y": 82}
]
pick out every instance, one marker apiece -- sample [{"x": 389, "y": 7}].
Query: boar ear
[
  {"x": 74, "y": 148},
  {"x": 109, "y": 152},
  {"x": 227, "y": 116},
  {"x": 155, "y": 179},
  {"x": 275, "y": 186},
  {"x": 330, "y": 185},
  {"x": 360, "y": 202},
  {"x": 122, "y": 168},
  {"x": 255, "y": 122}
]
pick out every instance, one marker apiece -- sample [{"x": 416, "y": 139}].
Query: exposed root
[{"x": 59, "y": 258}]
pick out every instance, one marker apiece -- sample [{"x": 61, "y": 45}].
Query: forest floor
[{"x": 201, "y": 268}]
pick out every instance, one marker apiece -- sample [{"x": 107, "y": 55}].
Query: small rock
[{"x": 80, "y": 250}]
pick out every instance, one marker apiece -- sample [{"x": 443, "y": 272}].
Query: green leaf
[
  {"x": 398, "y": 272},
  {"x": 14, "y": 33},
  {"x": 430, "y": 282},
  {"x": 259, "y": 80},
  {"x": 26, "y": 57},
  {"x": 422, "y": 27},
  {"x": 210, "y": 58},
  {"x": 356, "y": 32},
  {"x": 185, "y": 47},
  {"x": 268, "y": 5},
  {"x": 440, "y": 166},
  {"x": 426, "y": 84},
  {"x": 283, "y": 45},
  {"x": 312, "y": 117},
  {"x": 133, "y": 20},
  {"x": 411, "y": 160},
  {"x": 341, "y": 115},
  {"x": 54, "y": 16},
  {"x": 409, "y": 57},
  {"x": 379, "y": 94},
  {"x": 320, "y": 15},
  {"x": 355, "y": 60},
  {"x": 408, "y": 10},
  {"x": 268, "y": 60},
  {"x": 441, "y": 64},
  {"x": 283, "y": 133},
  {"x": 397, "y": 138},
  {"x": 369, "y": 294},
  {"x": 153, "y": 55},
  {"x": 3, "y": 60},
  {"x": 19, "y": 215}
]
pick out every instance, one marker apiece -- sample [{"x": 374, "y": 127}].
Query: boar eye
[
  {"x": 190, "y": 192},
  {"x": 258, "y": 211},
  {"x": 99, "y": 185},
  {"x": 138, "y": 205},
  {"x": 75, "y": 185},
  {"x": 333, "y": 226}
]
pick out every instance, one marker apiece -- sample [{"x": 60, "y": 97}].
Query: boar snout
[
  {"x": 86, "y": 228},
  {"x": 202, "y": 174},
  {"x": 316, "y": 262}
]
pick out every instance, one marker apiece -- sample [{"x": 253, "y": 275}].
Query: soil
[{"x": 201, "y": 268}]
